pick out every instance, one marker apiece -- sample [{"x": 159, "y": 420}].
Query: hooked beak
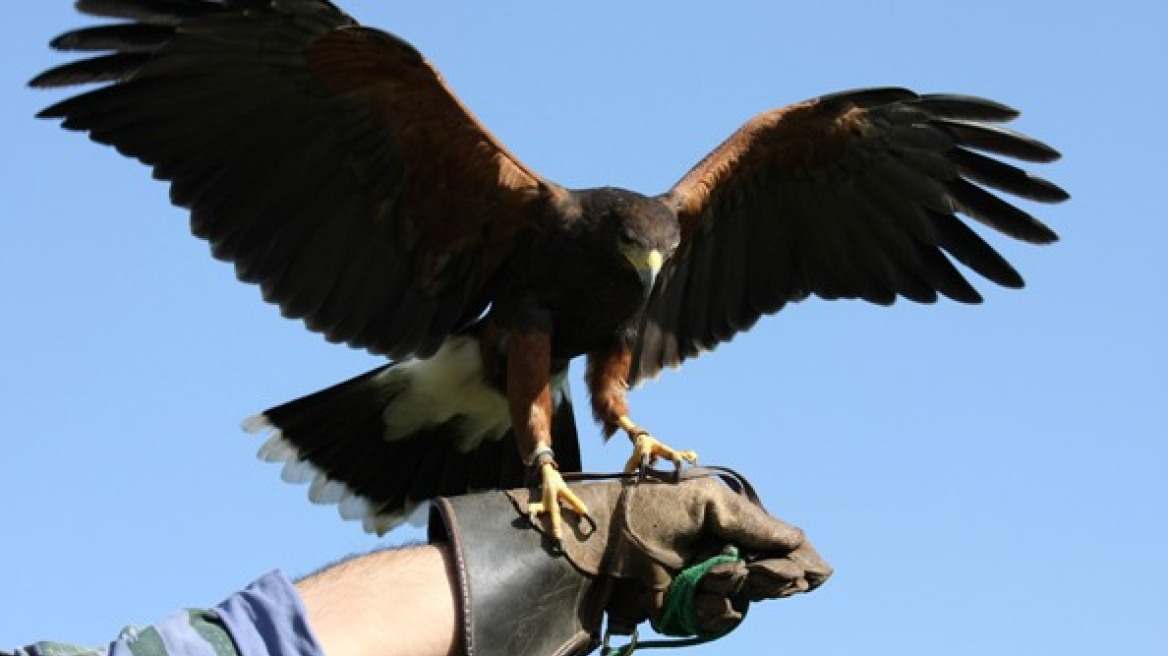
[{"x": 648, "y": 265}]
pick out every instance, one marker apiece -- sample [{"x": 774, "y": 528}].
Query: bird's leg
[
  {"x": 530, "y": 404},
  {"x": 607, "y": 376}
]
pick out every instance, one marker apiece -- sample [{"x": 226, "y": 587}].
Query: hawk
[{"x": 333, "y": 167}]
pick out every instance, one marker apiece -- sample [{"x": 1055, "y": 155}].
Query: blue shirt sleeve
[{"x": 267, "y": 618}]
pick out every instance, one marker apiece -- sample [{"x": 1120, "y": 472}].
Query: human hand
[
  {"x": 643, "y": 534},
  {"x": 527, "y": 593}
]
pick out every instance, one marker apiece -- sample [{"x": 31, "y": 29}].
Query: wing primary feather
[
  {"x": 906, "y": 241},
  {"x": 129, "y": 38},
  {"x": 915, "y": 179},
  {"x": 887, "y": 233},
  {"x": 157, "y": 98},
  {"x": 864, "y": 98},
  {"x": 945, "y": 278},
  {"x": 997, "y": 139},
  {"x": 154, "y": 12},
  {"x": 919, "y": 136},
  {"x": 960, "y": 241},
  {"x": 1005, "y": 177},
  {"x": 103, "y": 68},
  {"x": 998, "y": 214},
  {"x": 962, "y": 107}
]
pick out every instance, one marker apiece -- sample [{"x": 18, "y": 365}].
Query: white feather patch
[
  {"x": 257, "y": 424},
  {"x": 449, "y": 384},
  {"x": 440, "y": 387},
  {"x": 355, "y": 507},
  {"x": 324, "y": 490},
  {"x": 277, "y": 449},
  {"x": 298, "y": 471}
]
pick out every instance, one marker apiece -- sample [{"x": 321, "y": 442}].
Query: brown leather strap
[{"x": 733, "y": 480}]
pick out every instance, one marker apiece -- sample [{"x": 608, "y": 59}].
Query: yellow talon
[
  {"x": 647, "y": 449},
  {"x": 554, "y": 490}
]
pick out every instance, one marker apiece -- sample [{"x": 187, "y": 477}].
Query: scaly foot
[
  {"x": 647, "y": 449},
  {"x": 554, "y": 490}
]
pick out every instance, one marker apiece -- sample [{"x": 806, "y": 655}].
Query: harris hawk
[{"x": 333, "y": 167}]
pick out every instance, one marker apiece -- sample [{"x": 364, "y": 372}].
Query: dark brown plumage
[{"x": 333, "y": 167}]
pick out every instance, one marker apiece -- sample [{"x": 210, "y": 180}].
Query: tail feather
[{"x": 384, "y": 442}]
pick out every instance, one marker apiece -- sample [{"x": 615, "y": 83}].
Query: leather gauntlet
[{"x": 523, "y": 594}]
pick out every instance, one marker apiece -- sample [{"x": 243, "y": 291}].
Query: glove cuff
[{"x": 516, "y": 595}]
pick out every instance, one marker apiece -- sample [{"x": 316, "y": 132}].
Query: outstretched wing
[
  {"x": 853, "y": 195},
  {"x": 328, "y": 161}
]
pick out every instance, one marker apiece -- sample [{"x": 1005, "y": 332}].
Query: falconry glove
[{"x": 522, "y": 593}]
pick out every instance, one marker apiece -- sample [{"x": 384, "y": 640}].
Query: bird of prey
[{"x": 331, "y": 164}]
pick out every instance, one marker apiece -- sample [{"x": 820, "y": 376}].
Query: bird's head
[{"x": 643, "y": 230}]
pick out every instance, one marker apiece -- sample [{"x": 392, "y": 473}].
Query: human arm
[
  {"x": 490, "y": 583},
  {"x": 394, "y": 602}
]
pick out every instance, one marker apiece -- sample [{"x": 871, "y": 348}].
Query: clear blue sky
[{"x": 986, "y": 480}]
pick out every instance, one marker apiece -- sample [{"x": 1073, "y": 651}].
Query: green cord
[{"x": 678, "y": 617}]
